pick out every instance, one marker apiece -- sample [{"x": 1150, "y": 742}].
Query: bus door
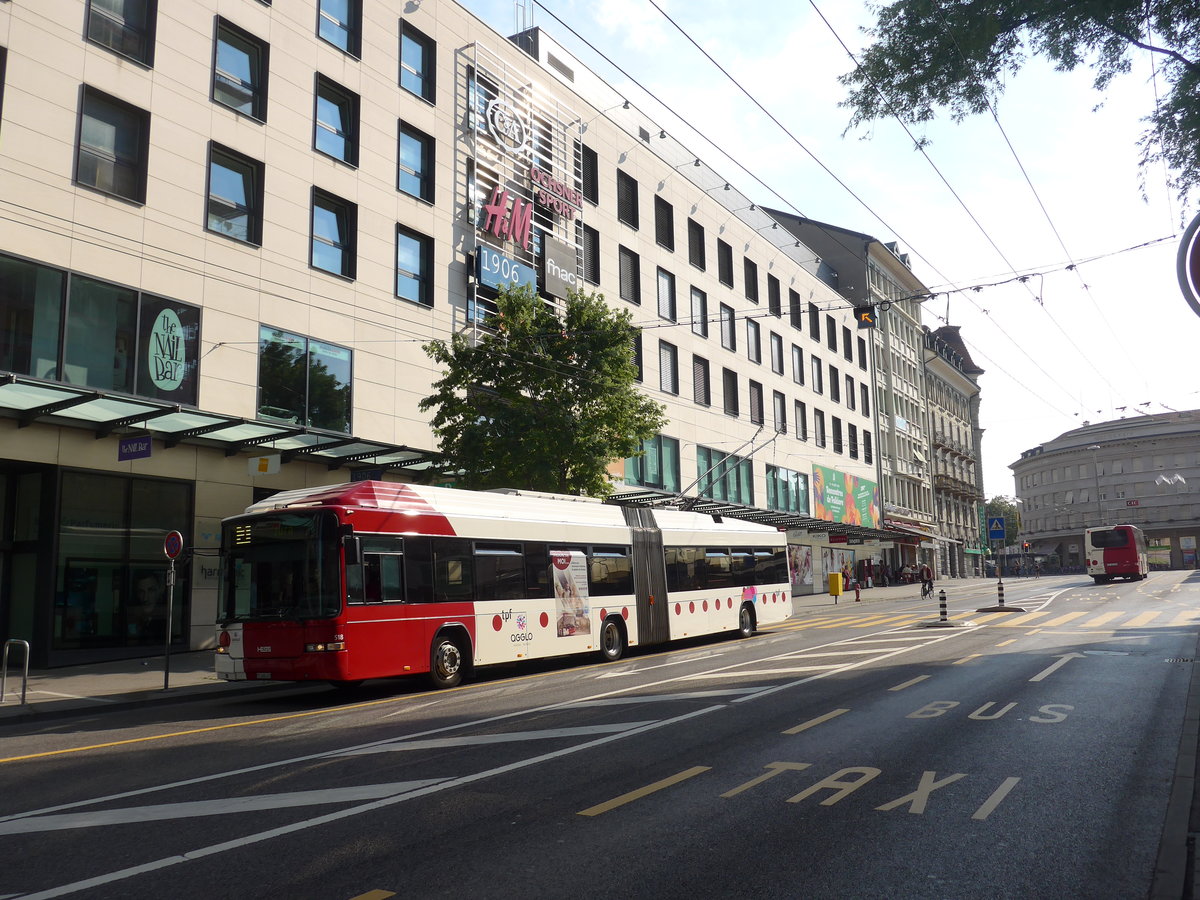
[{"x": 649, "y": 576}]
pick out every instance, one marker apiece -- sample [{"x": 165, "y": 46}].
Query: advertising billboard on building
[{"x": 845, "y": 498}]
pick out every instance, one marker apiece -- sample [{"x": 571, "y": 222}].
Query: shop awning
[{"x": 30, "y": 400}]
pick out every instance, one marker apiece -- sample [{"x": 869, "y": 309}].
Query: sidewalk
[{"x": 122, "y": 684}]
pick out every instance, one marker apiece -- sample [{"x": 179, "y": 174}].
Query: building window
[
  {"x": 723, "y": 476},
  {"x": 818, "y": 428},
  {"x": 658, "y": 465},
  {"x": 850, "y": 392},
  {"x": 696, "y": 244},
  {"x": 862, "y": 354},
  {"x": 774, "y": 297},
  {"x": 818, "y": 375},
  {"x": 668, "y": 368},
  {"x": 797, "y": 365},
  {"x": 414, "y": 266},
  {"x": 837, "y": 434},
  {"x": 302, "y": 381},
  {"x": 753, "y": 343},
  {"x": 795, "y": 310},
  {"x": 3, "y": 61},
  {"x": 235, "y": 195},
  {"x": 847, "y": 344},
  {"x": 627, "y": 199},
  {"x": 728, "y": 334},
  {"x": 779, "y": 405},
  {"x": 666, "y": 295},
  {"x": 240, "y": 71},
  {"x": 724, "y": 263},
  {"x": 831, "y": 333},
  {"x": 590, "y": 174},
  {"x": 776, "y": 354},
  {"x": 591, "y": 254},
  {"x": 801, "y": 410},
  {"x": 113, "y": 144},
  {"x": 750, "y": 270},
  {"x": 664, "y": 224},
  {"x": 631, "y": 275},
  {"x": 699, "y": 312},
  {"x": 336, "y": 121},
  {"x": 787, "y": 491},
  {"x": 756, "y": 403},
  {"x": 700, "y": 388},
  {"x": 814, "y": 322},
  {"x": 334, "y": 226},
  {"x": 123, "y": 26},
  {"x": 866, "y": 442},
  {"x": 835, "y": 384},
  {"x": 729, "y": 387},
  {"x": 417, "y": 57},
  {"x": 416, "y": 168},
  {"x": 637, "y": 358},
  {"x": 852, "y": 434},
  {"x": 340, "y": 23},
  {"x": 864, "y": 404}
]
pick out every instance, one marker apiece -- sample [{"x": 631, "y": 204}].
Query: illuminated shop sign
[
  {"x": 554, "y": 194},
  {"x": 495, "y": 270},
  {"x": 508, "y": 128},
  {"x": 508, "y": 217},
  {"x": 560, "y": 267}
]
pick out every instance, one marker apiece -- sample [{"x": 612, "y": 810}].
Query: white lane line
[
  {"x": 639, "y": 671},
  {"x": 193, "y": 809},
  {"x": 755, "y": 673},
  {"x": 847, "y": 651},
  {"x": 214, "y": 849},
  {"x": 655, "y": 698},
  {"x": 507, "y": 737}
]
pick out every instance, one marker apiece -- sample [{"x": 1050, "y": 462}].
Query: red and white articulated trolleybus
[
  {"x": 374, "y": 579},
  {"x": 1115, "y": 551}
]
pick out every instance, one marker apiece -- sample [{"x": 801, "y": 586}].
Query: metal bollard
[
  {"x": 942, "y": 604},
  {"x": 4, "y": 669},
  {"x": 1000, "y": 592}
]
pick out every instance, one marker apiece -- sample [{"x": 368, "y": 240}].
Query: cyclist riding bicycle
[{"x": 926, "y": 574}]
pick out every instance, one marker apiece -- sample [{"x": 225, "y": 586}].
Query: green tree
[
  {"x": 1006, "y": 507},
  {"x": 540, "y": 401},
  {"x": 957, "y": 55}
]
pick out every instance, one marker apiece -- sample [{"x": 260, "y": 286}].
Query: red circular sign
[{"x": 173, "y": 545}]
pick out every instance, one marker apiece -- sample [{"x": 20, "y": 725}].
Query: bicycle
[{"x": 926, "y": 590}]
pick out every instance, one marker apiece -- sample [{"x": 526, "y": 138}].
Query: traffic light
[{"x": 1025, "y": 546}]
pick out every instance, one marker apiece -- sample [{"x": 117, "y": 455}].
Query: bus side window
[
  {"x": 537, "y": 571},
  {"x": 453, "y": 570},
  {"x": 418, "y": 569},
  {"x": 717, "y": 571},
  {"x": 383, "y": 578}
]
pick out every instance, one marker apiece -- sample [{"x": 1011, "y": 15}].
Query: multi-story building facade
[
  {"x": 1142, "y": 471},
  {"x": 229, "y": 226},
  {"x": 952, "y": 391}
]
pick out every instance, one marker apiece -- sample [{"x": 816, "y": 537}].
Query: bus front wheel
[
  {"x": 746, "y": 621},
  {"x": 446, "y": 662},
  {"x": 612, "y": 640}
]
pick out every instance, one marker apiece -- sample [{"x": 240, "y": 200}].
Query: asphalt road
[{"x": 850, "y": 752}]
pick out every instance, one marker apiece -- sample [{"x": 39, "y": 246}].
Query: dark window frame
[
  {"x": 139, "y": 165},
  {"x": 724, "y": 263},
  {"x": 425, "y": 177},
  {"x": 259, "y": 57},
  {"x": 696, "y": 254},
  {"x": 423, "y": 278},
  {"x": 629, "y": 275},
  {"x": 218, "y": 153},
  {"x": 101, "y": 23},
  {"x": 664, "y": 224},
  {"x": 352, "y": 29},
  {"x": 349, "y": 248},
  {"x": 346, "y": 101},
  {"x": 427, "y": 76},
  {"x": 627, "y": 200}
]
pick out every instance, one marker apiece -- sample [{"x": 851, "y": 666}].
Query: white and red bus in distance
[
  {"x": 1115, "y": 551},
  {"x": 375, "y": 579}
]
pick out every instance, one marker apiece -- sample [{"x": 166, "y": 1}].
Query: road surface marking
[
  {"x": 909, "y": 683},
  {"x": 1186, "y": 618},
  {"x": 998, "y": 795},
  {"x": 754, "y": 673},
  {"x": 804, "y": 726},
  {"x": 646, "y": 791},
  {"x": 655, "y": 698},
  {"x": 966, "y": 659},
  {"x": 1028, "y": 617},
  {"x": 1006, "y": 643},
  {"x": 1062, "y": 661},
  {"x": 509, "y": 737},
  {"x": 375, "y": 895},
  {"x": 1102, "y": 619},
  {"x": 1138, "y": 621},
  {"x": 1064, "y": 619}
]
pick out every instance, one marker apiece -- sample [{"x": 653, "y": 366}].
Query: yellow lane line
[
  {"x": 803, "y": 726},
  {"x": 1006, "y": 643},
  {"x": 375, "y": 895},
  {"x": 608, "y": 805},
  {"x": 966, "y": 659},
  {"x": 909, "y": 683}
]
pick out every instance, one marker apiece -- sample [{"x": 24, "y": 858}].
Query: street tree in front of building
[
  {"x": 1001, "y": 506},
  {"x": 539, "y": 400}
]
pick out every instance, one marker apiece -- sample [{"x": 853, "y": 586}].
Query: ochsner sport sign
[{"x": 1188, "y": 265}]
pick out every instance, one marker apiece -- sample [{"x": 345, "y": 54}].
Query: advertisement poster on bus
[
  {"x": 845, "y": 498},
  {"x": 568, "y": 570},
  {"x": 800, "y": 564}
]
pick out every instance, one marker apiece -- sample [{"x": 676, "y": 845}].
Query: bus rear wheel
[
  {"x": 446, "y": 662},
  {"x": 612, "y": 640},
  {"x": 746, "y": 621}
]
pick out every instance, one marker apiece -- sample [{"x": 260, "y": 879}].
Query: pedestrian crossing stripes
[{"x": 1047, "y": 618}]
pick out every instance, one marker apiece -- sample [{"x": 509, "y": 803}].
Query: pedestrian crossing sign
[{"x": 996, "y": 528}]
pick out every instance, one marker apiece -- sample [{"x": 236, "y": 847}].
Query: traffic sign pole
[{"x": 172, "y": 547}]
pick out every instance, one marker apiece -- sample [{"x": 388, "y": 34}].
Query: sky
[{"x": 1111, "y": 338}]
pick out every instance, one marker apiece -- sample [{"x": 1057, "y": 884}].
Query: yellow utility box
[{"x": 835, "y": 584}]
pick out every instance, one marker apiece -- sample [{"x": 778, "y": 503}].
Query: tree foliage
[
  {"x": 956, "y": 54},
  {"x": 1006, "y": 507},
  {"x": 540, "y": 401}
]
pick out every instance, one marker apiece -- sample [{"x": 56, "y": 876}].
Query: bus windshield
[
  {"x": 1111, "y": 537},
  {"x": 281, "y": 566}
]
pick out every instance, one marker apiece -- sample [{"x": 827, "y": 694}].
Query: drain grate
[{"x": 1181, "y": 659}]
